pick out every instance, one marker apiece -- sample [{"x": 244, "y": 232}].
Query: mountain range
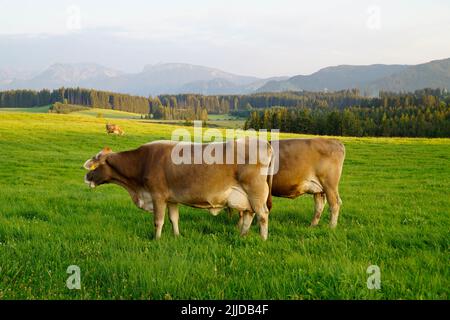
[
  {"x": 369, "y": 79},
  {"x": 174, "y": 78}
]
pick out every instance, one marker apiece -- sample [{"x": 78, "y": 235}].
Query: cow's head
[{"x": 99, "y": 170}]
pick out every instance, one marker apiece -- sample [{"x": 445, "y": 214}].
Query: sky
[{"x": 250, "y": 37}]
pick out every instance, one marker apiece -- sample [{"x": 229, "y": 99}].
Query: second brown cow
[{"x": 310, "y": 166}]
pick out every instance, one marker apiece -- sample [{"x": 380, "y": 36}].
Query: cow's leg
[
  {"x": 260, "y": 207},
  {"x": 173, "y": 216},
  {"x": 160, "y": 211},
  {"x": 319, "y": 204},
  {"x": 263, "y": 218},
  {"x": 246, "y": 222},
  {"x": 262, "y": 213},
  {"x": 230, "y": 212},
  {"x": 241, "y": 220},
  {"x": 334, "y": 201}
]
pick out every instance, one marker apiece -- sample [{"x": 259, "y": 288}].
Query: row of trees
[
  {"x": 168, "y": 109},
  {"x": 213, "y": 104},
  {"x": 27, "y": 98},
  {"x": 243, "y": 104},
  {"x": 239, "y": 104},
  {"x": 422, "y": 113},
  {"x": 65, "y": 108},
  {"x": 217, "y": 104},
  {"x": 430, "y": 118}
]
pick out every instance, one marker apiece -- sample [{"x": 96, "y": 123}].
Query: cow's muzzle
[{"x": 90, "y": 183}]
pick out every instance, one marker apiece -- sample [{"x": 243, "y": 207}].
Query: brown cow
[
  {"x": 312, "y": 166},
  {"x": 114, "y": 129},
  {"x": 155, "y": 182}
]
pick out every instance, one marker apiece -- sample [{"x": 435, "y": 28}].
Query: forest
[
  {"x": 162, "y": 106},
  {"x": 151, "y": 107},
  {"x": 423, "y": 113}
]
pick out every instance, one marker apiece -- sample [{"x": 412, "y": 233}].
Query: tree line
[
  {"x": 218, "y": 104},
  {"x": 424, "y": 113},
  {"x": 151, "y": 106},
  {"x": 346, "y": 112},
  {"x": 190, "y": 103}
]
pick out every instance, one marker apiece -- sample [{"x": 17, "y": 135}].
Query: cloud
[{"x": 262, "y": 38}]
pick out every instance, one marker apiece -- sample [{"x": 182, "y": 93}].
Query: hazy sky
[{"x": 251, "y": 37}]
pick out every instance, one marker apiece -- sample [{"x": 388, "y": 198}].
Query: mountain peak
[{"x": 76, "y": 72}]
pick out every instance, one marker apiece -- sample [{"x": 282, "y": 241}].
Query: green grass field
[
  {"x": 43, "y": 109},
  {"x": 213, "y": 122},
  {"x": 225, "y": 121},
  {"x": 395, "y": 214},
  {"x": 108, "y": 114}
]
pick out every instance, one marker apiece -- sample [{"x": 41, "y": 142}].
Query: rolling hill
[
  {"x": 334, "y": 78},
  {"x": 434, "y": 74},
  {"x": 369, "y": 79}
]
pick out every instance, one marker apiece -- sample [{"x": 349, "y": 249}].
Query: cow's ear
[{"x": 90, "y": 164}]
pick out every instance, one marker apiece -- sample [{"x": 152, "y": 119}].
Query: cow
[
  {"x": 114, "y": 129},
  {"x": 154, "y": 181},
  {"x": 309, "y": 166}
]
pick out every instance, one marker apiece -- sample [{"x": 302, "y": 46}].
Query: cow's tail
[{"x": 270, "y": 177}]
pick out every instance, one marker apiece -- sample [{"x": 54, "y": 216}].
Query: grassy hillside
[
  {"x": 217, "y": 121},
  {"x": 43, "y": 109},
  {"x": 92, "y": 112},
  {"x": 395, "y": 215}
]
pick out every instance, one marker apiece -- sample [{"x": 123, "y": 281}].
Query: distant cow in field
[
  {"x": 311, "y": 166},
  {"x": 154, "y": 181},
  {"x": 114, "y": 129}
]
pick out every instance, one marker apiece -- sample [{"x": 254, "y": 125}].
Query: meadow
[{"x": 395, "y": 214}]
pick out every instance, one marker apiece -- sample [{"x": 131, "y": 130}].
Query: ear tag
[{"x": 93, "y": 166}]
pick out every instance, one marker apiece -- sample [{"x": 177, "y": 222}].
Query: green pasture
[{"x": 395, "y": 214}]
